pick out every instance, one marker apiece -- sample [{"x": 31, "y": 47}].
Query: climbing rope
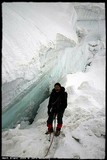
[{"x": 52, "y": 137}]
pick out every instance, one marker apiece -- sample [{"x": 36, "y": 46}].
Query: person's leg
[
  {"x": 50, "y": 122},
  {"x": 59, "y": 124}
]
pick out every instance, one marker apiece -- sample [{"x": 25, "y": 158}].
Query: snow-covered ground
[{"x": 83, "y": 131}]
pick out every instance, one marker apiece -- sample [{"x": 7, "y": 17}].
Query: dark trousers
[{"x": 59, "y": 120}]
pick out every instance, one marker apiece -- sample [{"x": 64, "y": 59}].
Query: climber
[{"x": 56, "y": 107}]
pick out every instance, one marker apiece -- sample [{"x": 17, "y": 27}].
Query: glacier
[{"x": 40, "y": 47}]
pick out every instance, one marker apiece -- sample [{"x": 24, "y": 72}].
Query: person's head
[{"x": 57, "y": 87}]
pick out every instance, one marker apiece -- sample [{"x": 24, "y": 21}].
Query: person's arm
[
  {"x": 64, "y": 102},
  {"x": 49, "y": 104}
]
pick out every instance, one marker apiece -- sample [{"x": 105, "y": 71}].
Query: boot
[
  {"x": 50, "y": 130},
  {"x": 57, "y": 133}
]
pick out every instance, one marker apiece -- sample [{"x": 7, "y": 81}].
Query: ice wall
[
  {"x": 37, "y": 55},
  {"x": 24, "y": 33},
  {"x": 53, "y": 68},
  {"x": 27, "y": 37}
]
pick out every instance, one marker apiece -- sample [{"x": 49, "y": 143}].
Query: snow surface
[{"x": 83, "y": 131}]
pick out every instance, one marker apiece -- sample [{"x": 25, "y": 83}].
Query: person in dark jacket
[{"x": 56, "y": 106}]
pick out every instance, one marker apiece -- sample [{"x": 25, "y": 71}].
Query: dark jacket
[{"x": 57, "y": 101}]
